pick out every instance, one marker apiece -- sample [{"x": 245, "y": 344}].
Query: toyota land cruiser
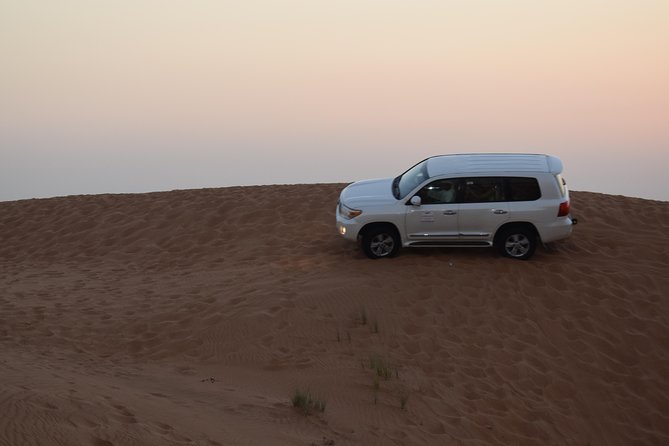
[{"x": 510, "y": 201}]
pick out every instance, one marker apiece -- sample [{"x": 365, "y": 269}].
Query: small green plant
[
  {"x": 404, "y": 397},
  {"x": 306, "y": 402},
  {"x": 319, "y": 405},
  {"x": 381, "y": 367},
  {"x": 376, "y": 386}
]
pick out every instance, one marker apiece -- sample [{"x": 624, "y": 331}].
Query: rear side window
[
  {"x": 522, "y": 189},
  {"x": 495, "y": 189}
]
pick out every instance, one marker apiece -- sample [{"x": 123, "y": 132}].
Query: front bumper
[{"x": 348, "y": 229}]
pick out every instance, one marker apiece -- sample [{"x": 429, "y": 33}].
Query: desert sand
[{"x": 192, "y": 317}]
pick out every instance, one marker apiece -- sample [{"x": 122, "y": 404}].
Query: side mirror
[{"x": 415, "y": 200}]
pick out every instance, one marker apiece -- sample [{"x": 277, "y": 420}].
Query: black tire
[
  {"x": 518, "y": 242},
  {"x": 380, "y": 241}
]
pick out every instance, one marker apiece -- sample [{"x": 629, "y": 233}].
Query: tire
[
  {"x": 517, "y": 242},
  {"x": 380, "y": 241}
]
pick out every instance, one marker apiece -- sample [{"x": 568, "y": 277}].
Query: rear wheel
[
  {"x": 517, "y": 242},
  {"x": 380, "y": 241}
]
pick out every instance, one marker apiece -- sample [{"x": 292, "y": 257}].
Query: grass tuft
[
  {"x": 306, "y": 402},
  {"x": 381, "y": 367},
  {"x": 376, "y": 387},
  {"x": 404, "y": 397}
]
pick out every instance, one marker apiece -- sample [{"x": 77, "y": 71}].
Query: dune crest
[{"x": 191, "y": 317}]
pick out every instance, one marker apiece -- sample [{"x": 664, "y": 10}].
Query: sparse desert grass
[
  {"x": 382, "y": 370},
  {"x": 339, "y": 336},
  {"x": 306, "y": 402},
  {"x": 376, "y": 385},
  {"x": 404, "y": 398},
  {"x": 363, "y": 316},
  {"x": 381, "y": 367}
]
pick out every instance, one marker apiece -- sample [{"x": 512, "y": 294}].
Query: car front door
[{"x": 436, "y": 218}]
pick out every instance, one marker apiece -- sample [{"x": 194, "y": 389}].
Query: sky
[{"x": 147, "y": 95}]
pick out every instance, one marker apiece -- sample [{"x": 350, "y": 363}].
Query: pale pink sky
[{"x": 138, "y": 95}]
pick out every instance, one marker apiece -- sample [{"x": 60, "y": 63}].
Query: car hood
[{"x": 368, "y": 192}]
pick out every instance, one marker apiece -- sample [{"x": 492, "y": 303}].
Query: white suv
[{"x": 510, "y": 201}]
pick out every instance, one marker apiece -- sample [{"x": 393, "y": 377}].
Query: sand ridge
[{"x": 190, "y": 317}]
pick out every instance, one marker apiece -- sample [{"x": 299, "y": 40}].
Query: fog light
[{"x": 342, "y": 230}]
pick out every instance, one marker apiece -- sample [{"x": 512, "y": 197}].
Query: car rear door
[{"x": 483, "y": 208}]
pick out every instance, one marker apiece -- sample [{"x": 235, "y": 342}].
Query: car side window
[
  {"x": 439, "y": 192},
  {"x": 482, "y": 190},
  {"x": 522, "y": 189}
]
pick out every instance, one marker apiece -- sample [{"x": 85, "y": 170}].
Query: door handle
[
  {"x": 450, "y": 212},
  {"x": 499, "y": 211}
]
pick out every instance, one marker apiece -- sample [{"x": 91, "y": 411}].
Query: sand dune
[{"x": 190, "y": 317}]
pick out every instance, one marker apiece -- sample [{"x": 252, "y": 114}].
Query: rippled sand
[{"x": 190, "y": 317}]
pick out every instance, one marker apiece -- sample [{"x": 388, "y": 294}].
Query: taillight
[{"x": 564, "y": 209}]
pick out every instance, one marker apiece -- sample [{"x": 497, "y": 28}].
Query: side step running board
[{"x": 449, "y": 243}]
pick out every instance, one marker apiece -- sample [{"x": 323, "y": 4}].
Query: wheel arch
[
  {"x": 377, "y": 225},
  {"x": 516, "y": 224}
]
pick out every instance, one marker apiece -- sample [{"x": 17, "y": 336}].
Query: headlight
[{"x": 347, "y": 212}]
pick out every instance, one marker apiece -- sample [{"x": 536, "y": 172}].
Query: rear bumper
[{"x": 557, "y": 230}]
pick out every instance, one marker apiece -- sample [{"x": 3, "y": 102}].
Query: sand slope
[{"x": 190, "y": 317}]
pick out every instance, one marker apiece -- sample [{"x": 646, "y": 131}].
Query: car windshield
[{"x": 410, "y": 179}]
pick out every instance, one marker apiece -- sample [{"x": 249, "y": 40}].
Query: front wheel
[
  {"x": 380, "y": 242},
  {"x": 518, "y": 243}
]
